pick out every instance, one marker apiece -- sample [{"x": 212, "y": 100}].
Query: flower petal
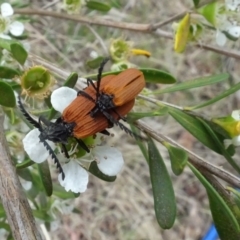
[
  {"x": 16, "y": 28},
  {"x": 34, "y": 148},
  {"x": 76, "y": 177},
  {"x": 234, "y": 31},
  {"x": 6, "y": 10},
  {"x": 62, "y": 97},
  {"x": 110, "y": 160},
  {"x": 236, "y": 115},
  {"x": 220, "y": 38}
]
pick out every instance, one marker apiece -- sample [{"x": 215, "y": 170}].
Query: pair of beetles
[{"x": 99, "y": 106}]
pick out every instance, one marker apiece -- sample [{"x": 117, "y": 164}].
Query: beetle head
[{"x": 57, "y": 132}]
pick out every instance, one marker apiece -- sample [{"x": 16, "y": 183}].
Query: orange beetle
[{"x": 77, "y": 119}]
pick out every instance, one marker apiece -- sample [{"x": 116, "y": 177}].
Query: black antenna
[
  {"x": 27, "y": 116},
  {"x": 99, "y": 77}
]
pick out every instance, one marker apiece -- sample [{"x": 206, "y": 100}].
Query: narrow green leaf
[
  {"x": 163, "y": 193},
  {"x": 195, "y": 127},
  {"x": 25, "y": 164},
  {"x": 45, "y": 175},
  {"x": 8, "y": 73},
  {"x": 18, "y": 52},
  {"x": 6, "y": 43},
  {"x": 5, "y": 226},
  {"x": 99, "y": 6},
  {"x": 133, "y": 116},
  {"x": 195, "y": 83},
  {"x": 25, "y": 174},
  {"x": 96, "y": 172},
  {"x": 140, "y": 143},
  {"x": 226, "y": 93},
  {"x": 71, "y": 80},
  {"x": 220, "y": 146},
  {"x": 196, "y": 2},
  {"x": 178, "y": 157},
  {"x": 95, "y": 63},
  {"x": 61, "y": 192},
  {"x": 7, "y": 98},
  {"x": 156, "y": 76},
  {"x": 225, "y": 222},
  {"x": 150, "y": 75},
  {"x": 2, "y": 211},
  {"x": 40, "y": 214}
]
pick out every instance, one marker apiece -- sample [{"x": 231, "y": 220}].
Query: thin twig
[
  {"x": 15, "y": 203},
  {"x": 85, "y": 20},
  {"x": 197, "y": 161}
]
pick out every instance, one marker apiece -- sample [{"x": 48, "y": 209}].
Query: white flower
[
  {"x": 76, "y": 177},
  {"x": 34, "y": 148},
  {"x": 232, "y": 5},
  {"x": 109, "y": 159},
  {"x": 16, "y": 28}
]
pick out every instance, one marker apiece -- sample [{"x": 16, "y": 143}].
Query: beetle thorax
[
  {"x": 105, "y": 101},
  {"x": 58, "y": 132}
]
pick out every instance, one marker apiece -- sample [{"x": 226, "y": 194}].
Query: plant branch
[
  {"x": 14, "y": 201},
  {"x": 197, "y": 161}
]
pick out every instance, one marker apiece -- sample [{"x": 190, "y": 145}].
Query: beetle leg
[
  {"x": 105, "y": 132},
  {"x": 64, "y": 150},
  {"x": 82, "y": 145},
  {"x": 123, "y": 127},
  {"x": 54, "y": 157},
  {"x": 120, "y": 116},
  {"x": 84, "y": 94}
]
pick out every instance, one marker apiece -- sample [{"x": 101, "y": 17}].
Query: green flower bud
[{"x": 36, "y": 82}]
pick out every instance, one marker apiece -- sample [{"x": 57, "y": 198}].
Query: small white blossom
[
  {"x": 34, "y": 148},
  {"x": 62, "y": 97},
  {"x": 16, "y": 28},
  {"x": 76, "y": 177},
  {"x": 109, "y": 160}
]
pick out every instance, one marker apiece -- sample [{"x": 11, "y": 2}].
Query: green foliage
[
  {"x": 7, "y": 98},
  {"x": 163, "y": 193}
]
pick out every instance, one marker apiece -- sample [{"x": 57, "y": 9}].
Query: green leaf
[
  {"x": 96, "y": 172},
  {"x": 5, "y": 226},
  {"x": 150, "y": 75},
  {"x": 71, "y": 80},
  {"x": 45, "y": 175},
  {"x": 7, "y": 98},
  {"x": 195, "y": 127},
  {"x": 61, "y": 192},
  {"x": 18, "y": 52},
  {"x": 133, "y": 116},
  {"x": 195, "y": 83},
  {"x": 196, "y": 2},
  {"x": 2, "y": 211},
  {"x": 225, "y": 222},
  {"x": 25, "y": 174},
  {"x": 226, "y": 93},
  {"x": 40, "y": 214},
  {"x": 95, "y": 63},
  {"x": 178, "y": 157},
  {"x": 220, "y": 146},
  {"x": 25, "y": 164},
  {"x": 6, "y": 43},
  {"x": 163, "y": 193},
  {"x": 8, "y": 73},
  {"x": 156, "y": 76},
  {"x": 99, "y": 6},
  {"x": 140, "y": 143}
]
